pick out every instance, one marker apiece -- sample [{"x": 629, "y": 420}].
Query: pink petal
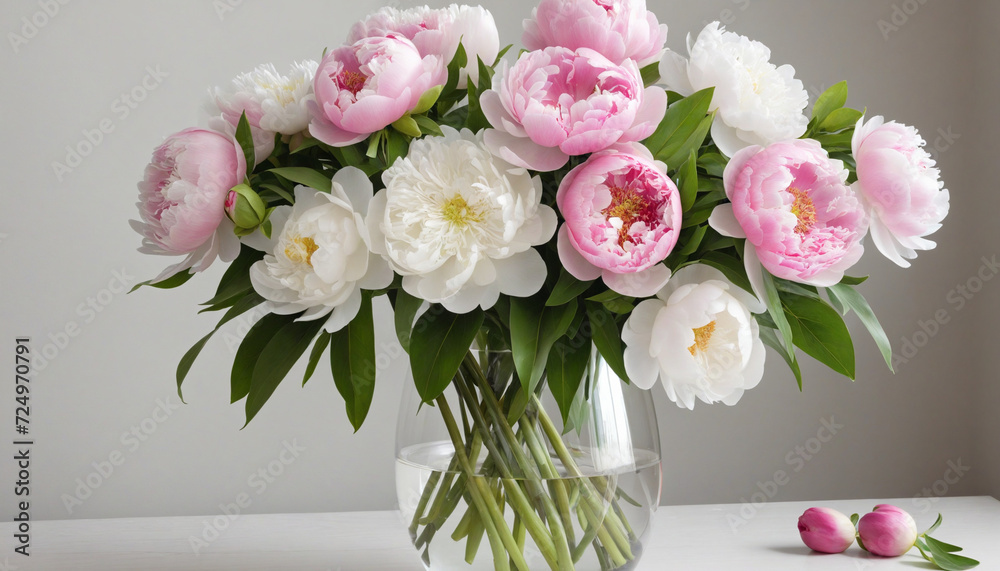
[
  {"x": 639, "y": 284},
  {"x": 574, "y": 263},
  {"x": 654, "y": 107}
]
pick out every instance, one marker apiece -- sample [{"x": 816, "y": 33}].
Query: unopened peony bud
[
  {"x": 826, "y": 530},
  {"x": 887, "y": 531},
  {"x": 245, "y": 208}
]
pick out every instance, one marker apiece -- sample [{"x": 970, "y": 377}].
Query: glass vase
[{"x": 491, "y": 477}]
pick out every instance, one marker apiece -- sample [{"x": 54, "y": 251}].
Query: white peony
[
  {"x": 320, "y": 256},
  {"x": 274, "y": 103},
  {"x": 757, "y": 102},
  {"x": 459, "y": 223},
  {"x": 699, "y": 337}
]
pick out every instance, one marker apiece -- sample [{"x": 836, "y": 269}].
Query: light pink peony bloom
[
  {"x": 182, "y": 200},
  {"x": 792, "y": 204},
  {"x": 618, "y": 29},
  {"x": 557, "y": 102},
  {"x": 887, "y": 531},
  {"x": 438, "y": 32},
  {"x": 368, "y": 85},
  {"x": 900, "y": 186},
  {"x": 826, "y": 530},
  {"x": 623, "y": 216}
]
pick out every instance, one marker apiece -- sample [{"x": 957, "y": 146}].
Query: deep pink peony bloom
[
  {"x": 557, "y": 102},
  {"x": 438, "y": 31},
  {"x": 888, "y": 531},
  {"x": 826, "y": 530},
  {"x": 368, "y": 85},
  {"x": 900, "y": 185},
  {"x": 182, "y": 199},
  {"x": 617, "y": 29},
  {"x": 623, "y": 216},
  {"x": 792, "y": 204}
]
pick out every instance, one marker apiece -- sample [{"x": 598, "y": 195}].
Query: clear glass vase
[{"x": 526, "y": 491}]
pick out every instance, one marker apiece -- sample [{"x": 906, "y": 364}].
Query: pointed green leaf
[
  {"x": 277, "y": 358},
  {"x": 650, "y": 74},
  {"x": 854, "y": 519},
  {"x": 241, "y": 376},
  {"x": 352, "y": 359},
  {"x": 681, "y": 121},
  {"x": 438, "y": 351},
  {"x": 938, "y": 545},
  {"x": 840, "y": 119},
  {"x": 774, "y": 309},
  {"x": 534, "y": 328},
  {"x": 427, "y": 127},
  {"x": 687, "y": 181},
  {"x": 407, "y": 126},
  {"x": 770, "y": 338},
  {"x": 396, "y": 146},
  {"x": 937, "y": 524},
  {"x": 249, "y": 302},
  {"x": 947, "y": 560},
  {"x": 819, "y": 330},
  {"x": 245, "y": 139},
  {"x": 831, "y": 100},
  {"x": 851, "y": 299},
  {"x": 713, "y": 163},
  {"x": 319, "y": 347},
  {"x": 303, "y": 175},
  {"x": 675, "y": 154},
  {"x": 607, "y": 338},
  {"x": 566, "y": 289},
  {"x": 173, "y": 281},
  {"x": 236, "y": 280},
  {"x": 566, "y": 367},
  {"x": 848, "y": 280},
  {"x": 692, "y": 243},
  {"x": 427, "y": 100},
  {"x": 404, "y": 312}
]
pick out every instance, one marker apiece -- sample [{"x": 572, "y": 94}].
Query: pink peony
[
  {"x": 887, "y": 531},
  {"x": 182, "y": 200},
  {"x": 901, "y": 187},
  {"x": 557, "y": 102},
  {"x": 826, "y": 530},
  {"x": 368, "y": 85},
  {"x": 792, "y": 204},
  {"x": 617, "y": 29},
  {"x": 438, "y": 32},
  {"x": 623, "y": 216}
]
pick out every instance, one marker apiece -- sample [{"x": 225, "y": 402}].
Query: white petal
[
  {"x": 727, "y": 138},
  {"x": 356, "y": 186},
  {"x": 724, "y": 221},
  {"x": 639, "y": 284},
  {"x": 755, "y": 273},
  {"x": 344, "y": 313},
  {"x": 521, "y": 275},
  {"x": 674, "y": 73}
]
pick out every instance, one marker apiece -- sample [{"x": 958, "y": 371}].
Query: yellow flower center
[
  {"x": 803, "y": 209},
  {"x": 702, "y": 336},
  {"x": 458, "y": 212},
  {"x": 301, "y": 250},
  {"x": 628, "y": 206}
]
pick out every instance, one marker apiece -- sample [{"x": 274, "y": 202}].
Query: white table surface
[{"x": 684, "y": 537}]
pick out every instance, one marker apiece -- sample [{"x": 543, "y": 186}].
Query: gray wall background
[{"x": 62, "y": 242}]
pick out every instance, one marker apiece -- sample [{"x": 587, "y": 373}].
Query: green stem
[{"x": 489, "y": 512}]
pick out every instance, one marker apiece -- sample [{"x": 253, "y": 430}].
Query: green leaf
[
  {"x": 673, "y": 154},
  {"x": 352, "y": 359},
  {"x": 404, "y": 312},
  {"x": 819, "y": 330},
  {"x": 567, "y": 364},
  {"x": 842, "y": 140},
  {"x": 306, "y": 144},
  {"x": 277, "y": 358},
  {"x": 427, "y": 127},
  {"x": 840, "y": 119},
  {"x": 831, "y": 100},
  {"x": 687, "y": 181},
  {"x": 249, "y": 302},
  {"x": 374, "y": 143},
  {"x": 937, "y": 524},
  {"x": 770, "y": 338},
  {"x": 534, "y": 328},
  {"x": 173, "y": 281},
  {"x": 407, "y": 126},
  {"x": 650, "y": 74},
  {"x": 319, "y": 347},
  {"x": 438, "y": 351},
  {"x": 241, "y": 376},
  {"x": 692, "y": 243},
  {"x": 774, "y": 309},
  {"x": 303, "y": 175},
  {"x": 854, "y": 519},
  {"x": 607, "y": 338},
  {"x": 731, "y": 267},
  {"x": 848, "y": 280},
  {"x": 567, "y": 289},
  {"x": 279, "y": 191},
  {"x": 236, "y": 280},
  {"x": 713, "y": 163},
  {"x": 697, "y": 217},
  {"x": 938, "y": 545},
  {"x": 851, "y": 299},
  {"x": 948, "y": 560},
  {"x": 681, "y": 121},
  {"x": 455, "y": 68},
  {"x": 427, "y": 100},
  {"x": 396, "y": 146},
  {"x": 245, "y": 139}
]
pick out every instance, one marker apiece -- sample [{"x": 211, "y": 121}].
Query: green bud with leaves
[{"x": 245, "y": 208}]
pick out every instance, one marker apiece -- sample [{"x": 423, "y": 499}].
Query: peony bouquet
[{"x": 595, "y": 198}]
